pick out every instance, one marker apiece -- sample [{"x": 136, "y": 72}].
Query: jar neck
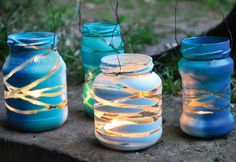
[
  {"x": 122, "y": 74},
  {"x": 126, "y": 64},
  {"x": 19, "y": 52},
  {"x": 32, "y": 43},
  {"x": 205, "y": 48},
  {"x": 101, "y": 29}
]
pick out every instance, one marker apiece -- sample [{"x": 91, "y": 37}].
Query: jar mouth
[
  {"x": 34, "y": 40},
  {"x": 126, "y": 64},
  {"x": 104, "y": 29},
  {"x": 205, "y": 40},
  {"x": 205, "y": 47}
]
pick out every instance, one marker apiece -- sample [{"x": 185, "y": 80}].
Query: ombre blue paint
[
  {"x": 99, "y": 39},
  {"x": 23, "y": 47},
  {"x": 206, "y": 68}
]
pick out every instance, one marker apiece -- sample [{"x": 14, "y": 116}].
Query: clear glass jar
[{"x": 128, "y": 102}]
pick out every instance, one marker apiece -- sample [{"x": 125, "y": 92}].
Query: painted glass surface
[
  {"x": 99, "y": 40},
  {"x": 128, "y": 102},
  {"x": 206, "y": 68},
  {"x": 34, "y": 77}
]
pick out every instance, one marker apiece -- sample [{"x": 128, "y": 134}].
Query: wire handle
[
  {"x": 54, "y": 26},
  {"x": 225, "y": 22},
  {"x": 32, "y": 45},
  {"x": 227, "y": 27},
  {"x": 118, "y": 59},
  {"x": 176, "y": 39},
  {"x": 115, "y": 11},
  {"x": 80, "y": 18}
]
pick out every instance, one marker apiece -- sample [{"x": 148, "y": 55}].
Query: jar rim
[
  {"x": 205, "y": 40},
  {"x": 96, "y": 29},
  {"x": 205, "y": 47},
  {"x": 32, "y": 40},
  {"x": 126, "y": 64}
]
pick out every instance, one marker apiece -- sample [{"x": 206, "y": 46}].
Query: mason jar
[
  {"x": 34, "y": 77},
  {"x": 206, "y": 68},
  {"x": 99, "y": 39},
  {"x": 127, "y": 95}
]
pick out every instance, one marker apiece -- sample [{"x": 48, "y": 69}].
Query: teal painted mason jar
[
  {"x": 99, "y": 39},
  {"x": 34, "y": 77},
  {"x": 206, "y": 68}
]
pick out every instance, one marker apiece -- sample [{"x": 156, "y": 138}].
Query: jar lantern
[
  {"x": 34, "y": 77},
  {"x": 99, "y": 39},
  {"x": 127, "y": 110},
  {"x": 206, "y": 68}
]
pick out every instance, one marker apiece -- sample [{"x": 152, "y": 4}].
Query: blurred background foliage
[{"x": 144, "y": 23}]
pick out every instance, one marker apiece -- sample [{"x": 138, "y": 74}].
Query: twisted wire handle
[
  {"x": 225, "y": 21},
  {"x": 54, "y": 26},
  {"x": 115, "y": 11}
]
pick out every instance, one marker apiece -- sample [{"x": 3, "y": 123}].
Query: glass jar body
[
  {"x": 128, "y": 110},
  {"x": 98, "y": 41},
  {"x": 206, "y": 92},
  {"x": 35, "y": 89}
]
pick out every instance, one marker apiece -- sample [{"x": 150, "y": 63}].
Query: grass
[
  {"x": 16, "y": 16},
  {"x": 225, "y": 4},
  {"x": 139, "y": 37},
  {"x": 167, "y": 68},
  {"x": 139, "y": 19}
]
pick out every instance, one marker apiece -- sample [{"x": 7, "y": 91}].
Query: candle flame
[
  {"x": 26, "y": 93},
  {"x": 35, "y": 94},
  {"x": 117, "y": 123}
]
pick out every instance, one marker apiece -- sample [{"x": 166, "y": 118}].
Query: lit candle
[
  {"x": 206, "y": 68},
  {"x": 127, "y": 97},
  {"x": 34, "y": 77},
  {"x": 99, "y": 40}
]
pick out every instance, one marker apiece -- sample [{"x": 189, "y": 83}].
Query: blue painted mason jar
[
  {"x": 206, "y": 68},
  {"x": 128, "y": 100},
  {"x": 99, "y": 39},
  {"x": 34, "y": 77}
]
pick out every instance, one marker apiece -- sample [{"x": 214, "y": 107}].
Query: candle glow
[{"x": 127, "y": 107}]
